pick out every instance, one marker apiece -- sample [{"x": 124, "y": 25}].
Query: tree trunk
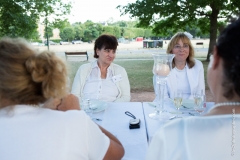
[{"x": 213, "y": 30}]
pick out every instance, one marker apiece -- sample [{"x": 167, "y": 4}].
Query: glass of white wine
[
  {"x": 199, "y": 103},
  {"x": 178, "y": 102}
]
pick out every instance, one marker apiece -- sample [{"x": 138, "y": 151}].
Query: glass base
[{"x": 158, "y": 116}]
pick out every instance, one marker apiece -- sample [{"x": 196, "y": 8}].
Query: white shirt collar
[{"x": 95, "y": 65}]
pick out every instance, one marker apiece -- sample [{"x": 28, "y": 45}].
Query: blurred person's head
[
  {"x": 180, "y": 45},
  {"x": 105, "y": 48},
  {"x": 29, "y": 76},
  {"x": 226, "y": 56}
]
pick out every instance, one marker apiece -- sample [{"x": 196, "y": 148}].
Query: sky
[{"x": 97, "y": 10}]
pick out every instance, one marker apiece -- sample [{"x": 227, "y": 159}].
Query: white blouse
[
  {"x": 98, "y": 88},
  {"x": 184, "y": 87}
]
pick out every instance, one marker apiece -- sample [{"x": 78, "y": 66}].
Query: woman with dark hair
[
  {"x": 187, "y": 74},
  {"x": 102, "y": 79},
  {"x": 215, "y": 135}
]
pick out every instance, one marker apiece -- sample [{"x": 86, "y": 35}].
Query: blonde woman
[
  {"x": 214, "y": 136},
  {"x": 187, "y": 74}
]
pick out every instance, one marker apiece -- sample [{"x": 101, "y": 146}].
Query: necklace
[
  {"x": 226, "y": 104},
  {"x": 35, "y": 105}
]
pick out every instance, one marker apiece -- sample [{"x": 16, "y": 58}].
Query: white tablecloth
[
  {"x": 116, "y": 121},
  {"x": 153, "y": 125},
  {"x": 135, "y": 141}
]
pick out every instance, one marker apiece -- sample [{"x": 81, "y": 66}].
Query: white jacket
[
  {"x": 84, "y": 72},
  {"x": 195, "y": 77},
  {"x": 197, "y": 138}
]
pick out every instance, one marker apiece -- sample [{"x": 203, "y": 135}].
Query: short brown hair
[
  {"x": 29, "y": 76},
  {"x": 181, "y": 36},
  {"x": 105, "y": 41}
]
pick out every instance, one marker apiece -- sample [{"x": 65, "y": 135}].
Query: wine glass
[
  {"x": 86, "y": 104},
  {"x": 199, "y": 103},
  {"x": 161, "y": 68},
  {"x": 178, "y": 101}
]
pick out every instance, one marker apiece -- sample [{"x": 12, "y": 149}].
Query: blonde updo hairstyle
[
  {"x": 181, "y": 36},
  {"x": 28, "y": 76}
]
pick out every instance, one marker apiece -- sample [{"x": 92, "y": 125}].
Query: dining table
[
  {"x": 136, "y": 141},
  {"x": 114, "y": 119}
]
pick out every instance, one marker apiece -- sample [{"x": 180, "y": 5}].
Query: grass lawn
[{"x": 139, "y": 72}]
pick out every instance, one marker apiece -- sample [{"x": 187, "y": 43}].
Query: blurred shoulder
[
  {"x": 86, "y": 65},
  {"x": 198, "y": 122},
  {"x": 116, "y": 66},
  {"x": 70, "y": 115},
  {"x": 198, "y": 63}
]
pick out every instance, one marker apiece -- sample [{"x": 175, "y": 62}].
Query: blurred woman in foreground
[
  {"x": 31, "y": 132},
  {"x": 216, "y": 135}
]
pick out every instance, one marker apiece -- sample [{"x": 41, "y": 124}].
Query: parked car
[
  {"x": 34, "y": 43},
  {"x": 77, "y": 42},
  {"x": 50, "y": 43},
  {"x": 64, "y": 42}
]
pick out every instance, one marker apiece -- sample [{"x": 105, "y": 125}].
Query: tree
[
  {"x": 67, "y": 34},
  {"x": 14, "y": 20},
  {"x": 90, "y": 34},
  {"x": 177, "y": 14},
  {"x": 20, "y": 18},
  {"x": 78, "y": 32},
  {"x": 61, "y": 24},
  {"x": 48, "y": 32},
  {"x": 92, "y": 31}
]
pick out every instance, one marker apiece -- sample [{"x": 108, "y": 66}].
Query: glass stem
[{"x": 161, "y": 85}]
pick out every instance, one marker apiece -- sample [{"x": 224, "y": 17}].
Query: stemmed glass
[
  {"x": 86, "y": 104},
  {"x": 199, "y": 103},
  {"x": 161, "y": 68},
  {"x": 178, "y": 101}
]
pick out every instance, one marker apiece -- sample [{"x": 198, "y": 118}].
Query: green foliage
[
  {"x": 15, "y": 21},
  {"x": 108, "y": 30},
  {"x": 56, "y": 40},
  {"x": 78, "y": 32},
  {"x": 35, "y": 35},
  {"x": 48, "y": 32},
  {"x": 36, "y": 40},
  {"x": 122, "y": 24},
  {"x": 92, "y": 31},
  {"x": 117, "y": 32},
  {"x": 147, "y": 33},
  {"x": 90, "y": 34},
  {"x": 67, "y": 34},
  {"x": 60, "y": 24},
  {"x": 20, "y": 18},
  {"x": 113, "y": 30},
  {"x": 176, "y": 15}
]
